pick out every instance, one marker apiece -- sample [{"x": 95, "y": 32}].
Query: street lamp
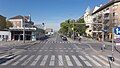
[{"x": 23, "y": 29}]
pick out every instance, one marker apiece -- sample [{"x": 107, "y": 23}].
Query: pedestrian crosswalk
[
  {"x": 59, "y": 60},
  {"x": 55, "y": 42}
]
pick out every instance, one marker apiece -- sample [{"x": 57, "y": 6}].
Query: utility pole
[
  {"x": 23, "y": 29},
  {"x": 73, "y": 31}
]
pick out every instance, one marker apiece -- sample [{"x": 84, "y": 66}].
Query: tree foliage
[
  {"x": 8, "y": 24},
  {"x": 67, "y": 26}
]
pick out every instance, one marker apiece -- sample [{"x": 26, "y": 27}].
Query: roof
[
  {"x": 106, "y": 5},
  {"x": 20, "y": 17}
]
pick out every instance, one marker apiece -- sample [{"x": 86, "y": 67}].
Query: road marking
[
  {"x": 64, "y": 48},
  {"x": 105, "y": 63},
  {"x": 71, "y": 50},
  {"x": 40, "y": 50},
  {"x": 45, "y": 50},
  {"x": 105, "y": 58},
  {"x": 92, "y": 60},
  {"x": 8, "y": 62},
  {"x": 27, "y": 61},
  {"x": 77, "y": 50},
  {"x": 82, "y": 58},
  {"x": 15, "y": 63},
  {"x": 44, "y": 60},
  {"x": 50, "y": 50},
  {"x": 36, "y": 60},
  {"x": 52, "y": 61},
  {"x": 60, "y": 61},
  {"x": 61, "y": 50},
  {"x": 77, "y": 61},
  {"x": 86, "y": 62},
  {"x": 66, "y": 51},
  {"x": 68, "y": 60}
]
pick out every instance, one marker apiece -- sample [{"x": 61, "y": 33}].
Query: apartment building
[
  {"x": 105, "y": 18},
  {"x": 88, "y": 21}
]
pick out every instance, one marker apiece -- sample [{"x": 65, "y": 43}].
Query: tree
[{"x": 8, "y": 24}]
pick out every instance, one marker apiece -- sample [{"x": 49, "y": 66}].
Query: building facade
[
  {"x": 106, "y": 18},
  {"x": 21, "y": 23},
  {"x": 88, "y": 21}
]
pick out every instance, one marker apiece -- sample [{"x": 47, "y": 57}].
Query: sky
[{"x": 50, "y": 12}]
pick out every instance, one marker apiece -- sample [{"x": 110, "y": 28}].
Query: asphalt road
[{"x": 56, "y": 53}]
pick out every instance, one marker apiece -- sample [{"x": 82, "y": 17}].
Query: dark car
[{"x": 64, "y": 38}]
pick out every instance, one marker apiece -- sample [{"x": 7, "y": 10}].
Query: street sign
[
  {"x": 117, "y": 30},
  {"x": 117, "y": 41}
]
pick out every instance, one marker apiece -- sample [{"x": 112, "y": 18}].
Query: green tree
[{"x": 8, "y": 24}]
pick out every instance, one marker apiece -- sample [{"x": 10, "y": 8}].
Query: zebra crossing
[
  {"x": 55, "y": 42},
  {"x": 59, "y": 60}
]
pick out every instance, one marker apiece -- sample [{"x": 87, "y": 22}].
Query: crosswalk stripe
[
  {"x": 15, "y": 63},
  {"x": 52, "y": 61},
  {"x": 101, "y": 60},
  {"x": 77, "y": 61},
  {"x": 92, "y": 60},
  {"x": 82, "y": 58},
  {"x": 27, "y": 61},
  {"x": 86, "y": 62},
  {"x": 60, "y": 61},
  {"x": 36, "y": 60},
  {"x": 44, "y": 60},
  {"x": 105, "y": 58},
  {"x": 68, "y": 60},
  {"x": 8, "y": 62}
]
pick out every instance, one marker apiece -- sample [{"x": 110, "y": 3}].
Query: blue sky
[{"x": 51, "y": 12}]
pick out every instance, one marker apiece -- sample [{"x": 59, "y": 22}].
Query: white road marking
[
  {"x": 77, "y": 61},
  {"x": 64, "y": 48},
  {"x": 56, "y": 50},
  {"x": 61, "y": 50},
  {"x": 15, "y": 63},
  {"x": 27, "y": 61},
  {"x": 50, "y": 50},
  {"x": 105, "y": 63},
  {"x": 40, "y": 50},
  {"x": 68, "y": 60},
  {"x": 66, "y": 51},
  {"x": 77, "y": 50},
  {"x": 71, "y": 50},
  {"x": 52, "y": 61},
  {"x": 87, "y": 63},
  {"x": 60, "y": 61},
  {"x": 8, "y": 62},
  {"x": 36, "y": 60},
  {"x": 105, "y": 58},
  {"x": 92, "y": 60},
  {"x": 44, "y": 60},
  {"x": 84, "y": 60},
  {"x": 45, "y": 50}
]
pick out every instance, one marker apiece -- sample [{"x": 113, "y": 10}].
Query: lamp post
[{"x": 23, "y": 29}]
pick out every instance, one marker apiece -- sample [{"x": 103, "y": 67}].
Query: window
[
  {"x": 0, "y": 36},
  {"x": 115, "y": 6}
]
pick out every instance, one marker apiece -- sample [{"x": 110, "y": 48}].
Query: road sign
[
  {"x": 117, "y": 41},
  {"x": 117, "y": 30}
]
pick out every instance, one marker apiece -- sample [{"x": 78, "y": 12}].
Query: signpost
[{"x": 117, "y": 32}]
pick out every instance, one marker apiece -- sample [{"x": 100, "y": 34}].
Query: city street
[{"x": 56, "y": 53}]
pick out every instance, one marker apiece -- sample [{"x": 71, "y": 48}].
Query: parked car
[{"x": 64, "y": 38}]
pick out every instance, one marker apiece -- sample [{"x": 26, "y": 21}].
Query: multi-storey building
[
  {"x": 88, "y": 21},
  {"x": 105, "y": 18}
]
